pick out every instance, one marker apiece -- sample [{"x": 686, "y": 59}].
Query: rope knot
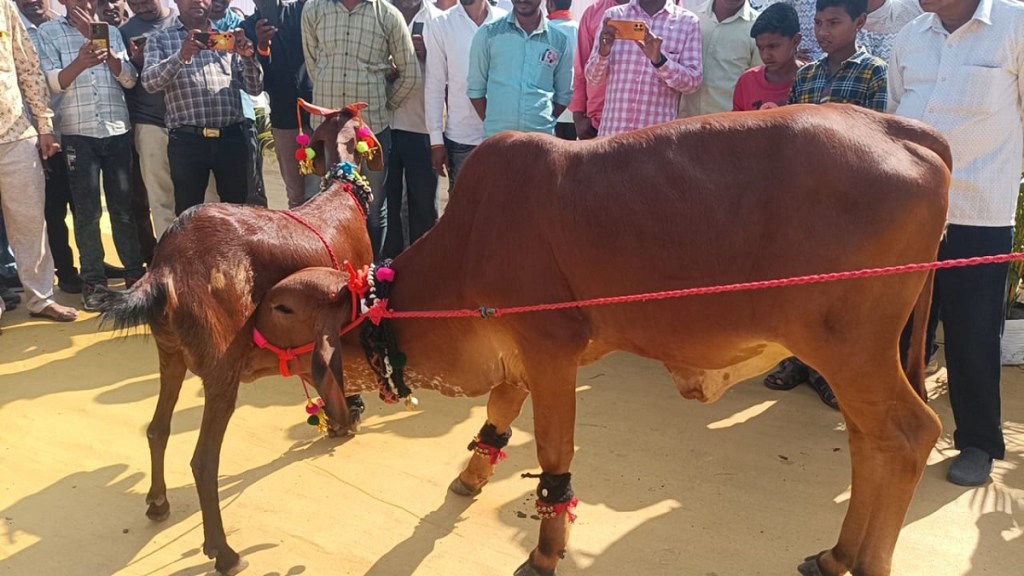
[
  {"x": 486, "y": 312},
  {"x": 378, "y": 312}
]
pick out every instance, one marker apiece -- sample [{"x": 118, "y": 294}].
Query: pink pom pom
[
  {"x": 302, "y": 140},
  {"x": 363, "y": 132},
  {"x": 385, "y": 274},
  {"x": 312, "y": 409}
]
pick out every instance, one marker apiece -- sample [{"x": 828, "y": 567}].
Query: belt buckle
[{"x": 211, "y": 132}]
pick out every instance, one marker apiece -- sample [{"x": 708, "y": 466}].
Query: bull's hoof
[
  {"x": 159, "y": 510},
  {"x": 462, "y": 489},
  {"x": 242, "y": 565},
  {"x": 528, "y": 570},
  {"x": 810, "y": 566}
]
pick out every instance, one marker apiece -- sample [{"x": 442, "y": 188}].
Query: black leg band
[{"x": 489, "y": 435}]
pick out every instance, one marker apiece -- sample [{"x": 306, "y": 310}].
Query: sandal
[
  {"x": 57, "y": 313},
  {"x": 818, "y": 383},
  {"x": 790, "y": 374}
]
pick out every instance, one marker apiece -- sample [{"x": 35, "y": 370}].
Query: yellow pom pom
[{"x": 362, "y": 147}]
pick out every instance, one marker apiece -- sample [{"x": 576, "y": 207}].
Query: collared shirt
[
  {"x": 640, "y": 95},
  {"x": 969, "y": 85},
  {"x": 882, "y": 26},
  {"x": 21, "y": 81},
  {"x": 860, "y": 80},
  {"x": 204, "y": 92},
  {"x": 348, "y": 55},
  {"x": 588, "y": 98},
  {"x": 562, "y": 20},
  {"x": 143, "y": 106},
  {"x": 521, "y": 75},
  {"x": 448, "y": 42},
  {"x": 93, "y": 105},
  {"x": 284, "y": 72},
  {"x": 728, "y": 51},
  {"x": 410, "y": 115}
]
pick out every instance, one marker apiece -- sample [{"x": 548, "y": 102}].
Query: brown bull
[
  {"x": 694, "y": 203},
  {"x": 210, "y": 270}
]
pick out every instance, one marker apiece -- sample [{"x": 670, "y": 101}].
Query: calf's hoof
[
  {"x": 462, "y": 489},
  {"x": 159, "y": 509},
  {"x": 527, "y": 570},
  {"x": 810, "y": 566},
  {"x": 241, "y": 565}
]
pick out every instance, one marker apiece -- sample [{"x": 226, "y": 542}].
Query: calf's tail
[
  {"x": 141, "y": 304},
  {"x": 916, "y": 353}
]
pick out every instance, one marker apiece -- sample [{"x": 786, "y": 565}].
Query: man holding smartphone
[
  {"x": 645, "y": 78},
  {"x": 204, "y": 107},
  {"x": 89, "y": 65},
  {"x": 410, "y": 173}
]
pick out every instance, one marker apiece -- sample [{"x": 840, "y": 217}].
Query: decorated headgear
[{"x": 366, "y": 143}]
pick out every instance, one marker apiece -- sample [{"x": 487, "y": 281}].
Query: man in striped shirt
[
  {"x": 361, "y": 51},
  {"x": 646, "y": 77}
]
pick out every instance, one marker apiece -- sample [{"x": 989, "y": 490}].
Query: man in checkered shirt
[
  {"x": 204, "y": 107},
  {"x": 645, "y": 78}
]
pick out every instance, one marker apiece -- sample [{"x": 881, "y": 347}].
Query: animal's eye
[{"x": 283, "y": 309}]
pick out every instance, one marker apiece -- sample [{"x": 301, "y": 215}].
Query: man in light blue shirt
[{"x": 520, "y": 72}]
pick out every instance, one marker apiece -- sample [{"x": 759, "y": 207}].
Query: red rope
[
  {"x": 330, "y": 251},
  {"x": 485, "y": 312}
]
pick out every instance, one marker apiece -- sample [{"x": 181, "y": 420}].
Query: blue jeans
[
  {"x": 457, "y": 154},
  {"x": 87, "y": 158}
]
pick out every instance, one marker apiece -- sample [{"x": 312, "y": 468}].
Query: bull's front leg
[
  {"x": 220, "y": 405},
  {"x": 503, "y": 407},
  {"x": 554, "y": 407}
]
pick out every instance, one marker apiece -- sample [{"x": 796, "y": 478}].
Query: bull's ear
[{"x": 327, "y": 373}]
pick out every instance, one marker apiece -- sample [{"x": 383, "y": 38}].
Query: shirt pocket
[
  {"x": 981, "y": 89},
  {"x": 541, "y": 60}
]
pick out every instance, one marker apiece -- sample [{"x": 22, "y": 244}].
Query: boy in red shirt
[{"x": 777, "y": 34}]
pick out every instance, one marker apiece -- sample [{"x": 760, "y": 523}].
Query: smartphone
[
  {"x": 417, "y": 28},
  {"x": 138, "y": 41},
  {"x": 99, "y": 35},
  {"x": 268, "y": 11},
  {"x": 629, "y": 29},
  {"x": 223, "y": 41}
]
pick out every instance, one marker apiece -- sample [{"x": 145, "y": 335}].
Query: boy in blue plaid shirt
[{"x": 847, "y": 74}]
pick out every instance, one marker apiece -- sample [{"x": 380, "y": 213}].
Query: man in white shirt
[
  {"x": 409, "y": 168},
  {"x": 960, "y": 69},
  {"x": 448, "y": 42}
]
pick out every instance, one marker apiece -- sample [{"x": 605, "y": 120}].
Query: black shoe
[
  {"x": 92, "y": 297},
  {"x": 824, "y": 391},
  {"x": 70, "y": 283},
  {"x": 971, "y": 468},
  {"x": 113, "y": 271},
  {"x": 11, "y": 300},
  {"x": 12, "y": 283}
]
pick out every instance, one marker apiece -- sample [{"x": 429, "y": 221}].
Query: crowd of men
[{"x": 166, "y": 120}]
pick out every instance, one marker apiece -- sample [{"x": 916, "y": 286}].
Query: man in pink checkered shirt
[{"x": 645, "y": 78}]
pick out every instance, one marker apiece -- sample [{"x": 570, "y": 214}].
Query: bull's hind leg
[
  {"x": 891, "y": 433},
  {"x": 221, "y": 393},
  {"x": 172, "y": 374},
  {"x": 503, "y": 407}
]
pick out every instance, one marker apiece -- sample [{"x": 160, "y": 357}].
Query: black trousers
[
  {"x": 257, "y": 195},
  {"x": 192, "y": 156},
  {"x": 58, "y": 199},
  {"x": 972, "y": 302},
  {"x": 409, "y": 171}
]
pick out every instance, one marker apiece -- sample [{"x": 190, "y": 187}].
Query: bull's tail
[
  {"x": 141, "y": 304},
  {"x": 916, "y": 354}
]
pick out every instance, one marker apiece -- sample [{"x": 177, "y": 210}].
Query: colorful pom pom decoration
[{"x": 317, "y": 416}]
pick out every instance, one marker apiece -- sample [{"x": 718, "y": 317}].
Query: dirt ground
[{"x": 747, "y": 486}]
